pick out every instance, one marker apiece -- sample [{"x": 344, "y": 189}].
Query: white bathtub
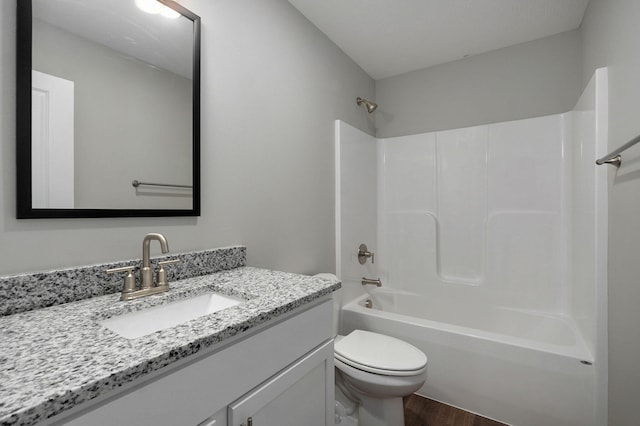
[{"x": 518, "y": 367}]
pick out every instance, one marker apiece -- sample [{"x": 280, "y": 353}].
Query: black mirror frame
[{"x": 25, "y": 208}]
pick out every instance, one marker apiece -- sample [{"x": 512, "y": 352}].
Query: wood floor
[{"x": 419, "y": 411}]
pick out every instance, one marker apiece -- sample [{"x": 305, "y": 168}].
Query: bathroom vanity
[
  {"x": 268, "y": 359},
  {"x": 280, "y": 374}
]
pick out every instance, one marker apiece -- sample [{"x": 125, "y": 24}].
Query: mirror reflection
[{"x": 111, "y": 103}]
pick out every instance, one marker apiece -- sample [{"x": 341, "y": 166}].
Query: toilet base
[
  {"x": 346, "y": 410},
  {"x": 380, "y": 412}
]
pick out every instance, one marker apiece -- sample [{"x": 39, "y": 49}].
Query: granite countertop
[{"x": 54, "y": 358}]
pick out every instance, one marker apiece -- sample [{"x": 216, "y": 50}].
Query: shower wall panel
[
  {"x": 407, "y": 200},
  {"x": 525, "y": 195},
  {"x": 477, "y": 212},
  {"x": 409, "y": 180},
  {"x": 589, "y": 215},
  {"x": 462, "y": 204},
  {"x": 356, "y": 203}
]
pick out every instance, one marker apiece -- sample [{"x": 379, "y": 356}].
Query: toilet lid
[{"x": 380, "y": 354}]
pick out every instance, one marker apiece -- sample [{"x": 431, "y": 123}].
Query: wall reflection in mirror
[{"x": 114, "y": 98}]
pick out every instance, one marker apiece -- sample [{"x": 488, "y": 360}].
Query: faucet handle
[
  {"x": 161, "y": 275},
  {"x": 364, "y": 254},
  {"x": 121, "y": 269},
  {"x": 129, "y": 280}
]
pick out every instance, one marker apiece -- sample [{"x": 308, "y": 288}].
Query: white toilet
[{"x": 379, "y": 371}]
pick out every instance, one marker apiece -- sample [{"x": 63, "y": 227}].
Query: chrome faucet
[
  {"x": 146, "y": 274},
  {"x": 130, "y": 291}
]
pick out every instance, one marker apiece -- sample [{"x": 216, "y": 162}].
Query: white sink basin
[{"x": 146, "y": 321}]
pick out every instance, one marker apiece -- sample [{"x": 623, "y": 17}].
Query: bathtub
[{"x": 518, "y": 367}]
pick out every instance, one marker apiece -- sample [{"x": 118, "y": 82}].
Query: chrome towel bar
[
  {"x": 614, "y": 157},
  {"x": 137, "y": 183}
]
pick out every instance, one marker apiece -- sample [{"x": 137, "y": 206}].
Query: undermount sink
[{"x": 146, "y": 321}]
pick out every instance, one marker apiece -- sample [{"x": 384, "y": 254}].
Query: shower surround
[{"x": 491, "y": 240}]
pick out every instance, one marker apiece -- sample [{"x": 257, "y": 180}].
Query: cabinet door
[{"x": 301, "y": 394}]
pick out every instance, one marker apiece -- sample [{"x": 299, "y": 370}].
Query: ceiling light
[
  {"x": 155, "y": 7},
  {"x": 167, "y": 12}
]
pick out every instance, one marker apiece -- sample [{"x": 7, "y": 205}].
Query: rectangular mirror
[{"x": 108, "y": 109}]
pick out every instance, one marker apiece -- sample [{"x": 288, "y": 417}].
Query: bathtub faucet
[
  {"x": 364, "y": 254},
  {"x": 366, "y": 281}
]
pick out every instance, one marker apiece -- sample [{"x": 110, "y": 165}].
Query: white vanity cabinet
[
  {"x": 296, "y": 396},
  {"x": 280, "y": 374}
]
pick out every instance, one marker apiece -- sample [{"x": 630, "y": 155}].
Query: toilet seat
[{"x": 379, "y": 354}]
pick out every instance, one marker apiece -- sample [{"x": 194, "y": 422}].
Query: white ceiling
[
  {"x": 120, "y": 25},
  {"x": 391, "y": 37}
]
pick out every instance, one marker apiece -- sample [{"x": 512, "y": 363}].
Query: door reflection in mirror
[{"x": 52, "y": 167}]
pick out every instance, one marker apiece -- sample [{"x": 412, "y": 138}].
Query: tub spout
[{"x": 366, "y": 281}]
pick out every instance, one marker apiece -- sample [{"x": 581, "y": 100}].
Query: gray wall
[
  {"x": 610, "y": 38},
  {"x": 272, "y": 85},
  {"x": 531, "y": 79},
  {"x": 132, "y": 121}
]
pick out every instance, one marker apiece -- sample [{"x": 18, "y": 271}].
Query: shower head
[{"x": 371, "y": 106}]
